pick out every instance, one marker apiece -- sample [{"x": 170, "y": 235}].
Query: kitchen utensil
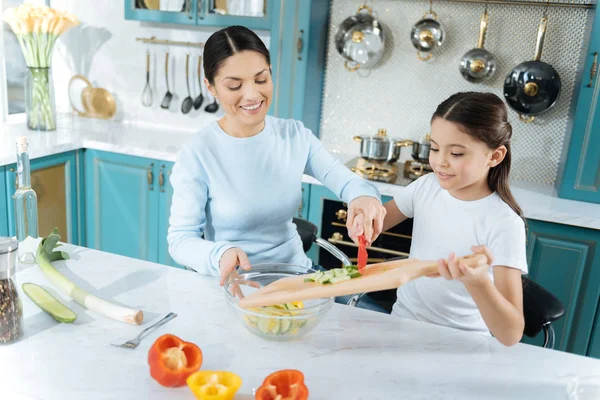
[
  {"x": 188, "y": 102},
  {"x": 478, "y": 64},
  {"x": 281, "y": 323},
  {"x": 212, "y": 107},
  {"x": 168, "y": 96},
  {"x": 200, "y": 99},
  {"x": 360, "y": 39},
  {"x": 152, "y": 4},
  {"x": 77, "y": 85},
  {"x": 427, "y": 34},
  {"x": 421, "y": 149},
  {"x": 133, "y": 343},
  {"x": 376, "y": 277},
  {"x": 533, "y": 87},
  {"x": 147, "y": 93},
  {"x": 381, "y": 147}
]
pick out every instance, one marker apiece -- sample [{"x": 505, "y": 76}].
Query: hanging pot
[
  {"x": 426, "y": 35},
  {"x": 381, "y": 147},
  {"x": 360, "y": 39},
  {"x": 478, "y": 64},
  {"x": 533, "y": 87}
]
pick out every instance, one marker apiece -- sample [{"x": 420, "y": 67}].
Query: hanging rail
[
  {"x": 169, "y": 42},
  {"x": 523, "y": 3}
]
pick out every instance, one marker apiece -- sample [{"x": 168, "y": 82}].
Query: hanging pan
[{"x": 533, "y": 87}]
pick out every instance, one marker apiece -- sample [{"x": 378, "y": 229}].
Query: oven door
[{"x": 393, "y": 244}]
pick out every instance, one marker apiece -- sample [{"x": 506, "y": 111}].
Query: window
[{"x": 14, "y": 64}]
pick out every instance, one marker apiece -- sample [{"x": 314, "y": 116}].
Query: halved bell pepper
[
  {"x": 172, "y": 360},
  {"x": 287, "y": 384},
  {"x": 214, "y": 385}
]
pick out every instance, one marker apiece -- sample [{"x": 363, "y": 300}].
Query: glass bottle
[
  {"x": 25, "y": 205},
  {"x": 11, "y": 309}
]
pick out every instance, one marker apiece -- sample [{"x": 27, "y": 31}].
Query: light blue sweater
[{"x": 243, "y": 192}]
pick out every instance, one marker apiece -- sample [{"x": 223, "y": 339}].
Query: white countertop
[
  {"x": 537, "y": 201},
  {"x": 352, "y": 354}
]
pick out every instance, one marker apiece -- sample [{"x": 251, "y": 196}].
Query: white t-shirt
[{"x": 444, "y": 224}]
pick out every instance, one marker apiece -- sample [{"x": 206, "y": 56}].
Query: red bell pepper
[
  {"x": 287, "y": 384},
  {"x": 172, "y": 360},
  {"x": 362, "y": 253}
]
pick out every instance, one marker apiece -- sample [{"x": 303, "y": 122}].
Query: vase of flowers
[{"x": 37, "y": 29}]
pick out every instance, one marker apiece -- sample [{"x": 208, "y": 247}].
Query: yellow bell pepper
[{"x": 214, "y": 385}]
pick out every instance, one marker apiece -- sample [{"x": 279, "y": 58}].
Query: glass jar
[
  {"x": 39, "y": 99},
  {"x": 11, "y": 309}
]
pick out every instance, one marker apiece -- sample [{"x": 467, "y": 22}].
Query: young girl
[{"x": 466, "y": 206}]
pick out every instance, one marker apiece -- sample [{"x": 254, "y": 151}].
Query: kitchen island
[{"x": 352, "y": 354}]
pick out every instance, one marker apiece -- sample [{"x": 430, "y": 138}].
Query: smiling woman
[{"x": 238, "y": 181}]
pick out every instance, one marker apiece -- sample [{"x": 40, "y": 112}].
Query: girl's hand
[
  {"x": 457, "y": 270},
  {"x": 365, "y": 217},
  {"x": 231, "y": 259}
]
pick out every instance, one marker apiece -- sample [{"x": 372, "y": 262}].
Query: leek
[{"x": 46, "y": 255}]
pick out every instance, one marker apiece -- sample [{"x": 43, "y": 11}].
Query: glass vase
[{"x": 39, "y": 99}]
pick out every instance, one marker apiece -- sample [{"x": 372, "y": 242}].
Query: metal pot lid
[
  {"x": 360, "y": 38},
  {"x": 427, "y": 34},
  {"x": 532, "y": 87},
  {"x": 380, "y": 136},
  {"x": 8, "y": 244},
  {"x": 477, "y": 65}
]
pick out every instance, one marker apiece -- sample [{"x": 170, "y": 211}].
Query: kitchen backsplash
[
  {"x": 401, "y": 93},
  {"x": 103, "y": 49}
]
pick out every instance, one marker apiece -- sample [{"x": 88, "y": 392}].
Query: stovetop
[{"x": 393, "y": 173}]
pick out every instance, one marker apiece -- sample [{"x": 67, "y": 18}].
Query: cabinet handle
[
  {"x": 150, "y": 177},
  {"x": 300, "y": 44},
  {"x": 16, "y": 178},
  {"x": 341, "y": 215},
  {"x": 594, "y": 69},
  {"x": 188, "y": 8},
  {"x": 337, "y": 237},
  {"x": 161, "y": 179}
]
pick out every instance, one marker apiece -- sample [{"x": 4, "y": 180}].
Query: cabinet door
[
  {"x": 561, "y": 259},
  {"x": 581, "y": 175},
  {"x": 55, "y": 182},
  {"x": 164, "y": 206},
  {"x": 174, "y": 11},
  {"x": 253, "y": 14},
  {"x": 4, "y": 199},
  {"x": 121, "y": 200}
]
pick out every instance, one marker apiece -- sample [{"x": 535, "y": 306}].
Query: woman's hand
[
  {"x": 454, "y": 269},
  {"x": 231, "y": 259},
  {"x": 365, "y": 217}
]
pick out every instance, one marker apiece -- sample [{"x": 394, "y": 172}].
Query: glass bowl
[{"x": 281, "y": 322}]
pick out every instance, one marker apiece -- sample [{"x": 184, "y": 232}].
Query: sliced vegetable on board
[
  {"x": 44, "y": 258},
  {"x": 173, "y": 360},
  {"x": 286, "y": 384},
  {"x": 49, "y": 303},
  {"x": 214, "y": 385}
]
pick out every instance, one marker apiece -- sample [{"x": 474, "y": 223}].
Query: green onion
[{"x": 46, "y": 255}]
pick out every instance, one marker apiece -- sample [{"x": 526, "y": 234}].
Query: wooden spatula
[{"x": 383, "y": 276}]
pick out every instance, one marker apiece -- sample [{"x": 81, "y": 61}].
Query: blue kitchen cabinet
[
  {"x": 185, "y": 12},
  {"x": 165, "y": 191},
  {"x": 122, "y": 204},
  {"x": 4, "y": 199},
  {"x": 579, "y": 178},
  {"x": 565, "y": 260},
  {"x": 198, "y": 12},
  {"x": 56, "y": 182}
]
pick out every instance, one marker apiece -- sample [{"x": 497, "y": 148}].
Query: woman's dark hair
[
  {"x": 484, "y": 117},
  {"x": 225, "y": 43}
]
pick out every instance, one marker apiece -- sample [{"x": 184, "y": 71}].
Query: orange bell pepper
[
  {"x": 287, "y": 384},
  {"x": 172, "y": 360},
  {"x": 362, "y": 253},
  {"x": 214, "y": 385}
]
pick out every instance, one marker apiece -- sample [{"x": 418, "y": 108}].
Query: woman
[{"x": 238, "y": 182}]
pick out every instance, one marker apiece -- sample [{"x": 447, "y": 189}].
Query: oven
[{"x": 394, "y": 243}]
